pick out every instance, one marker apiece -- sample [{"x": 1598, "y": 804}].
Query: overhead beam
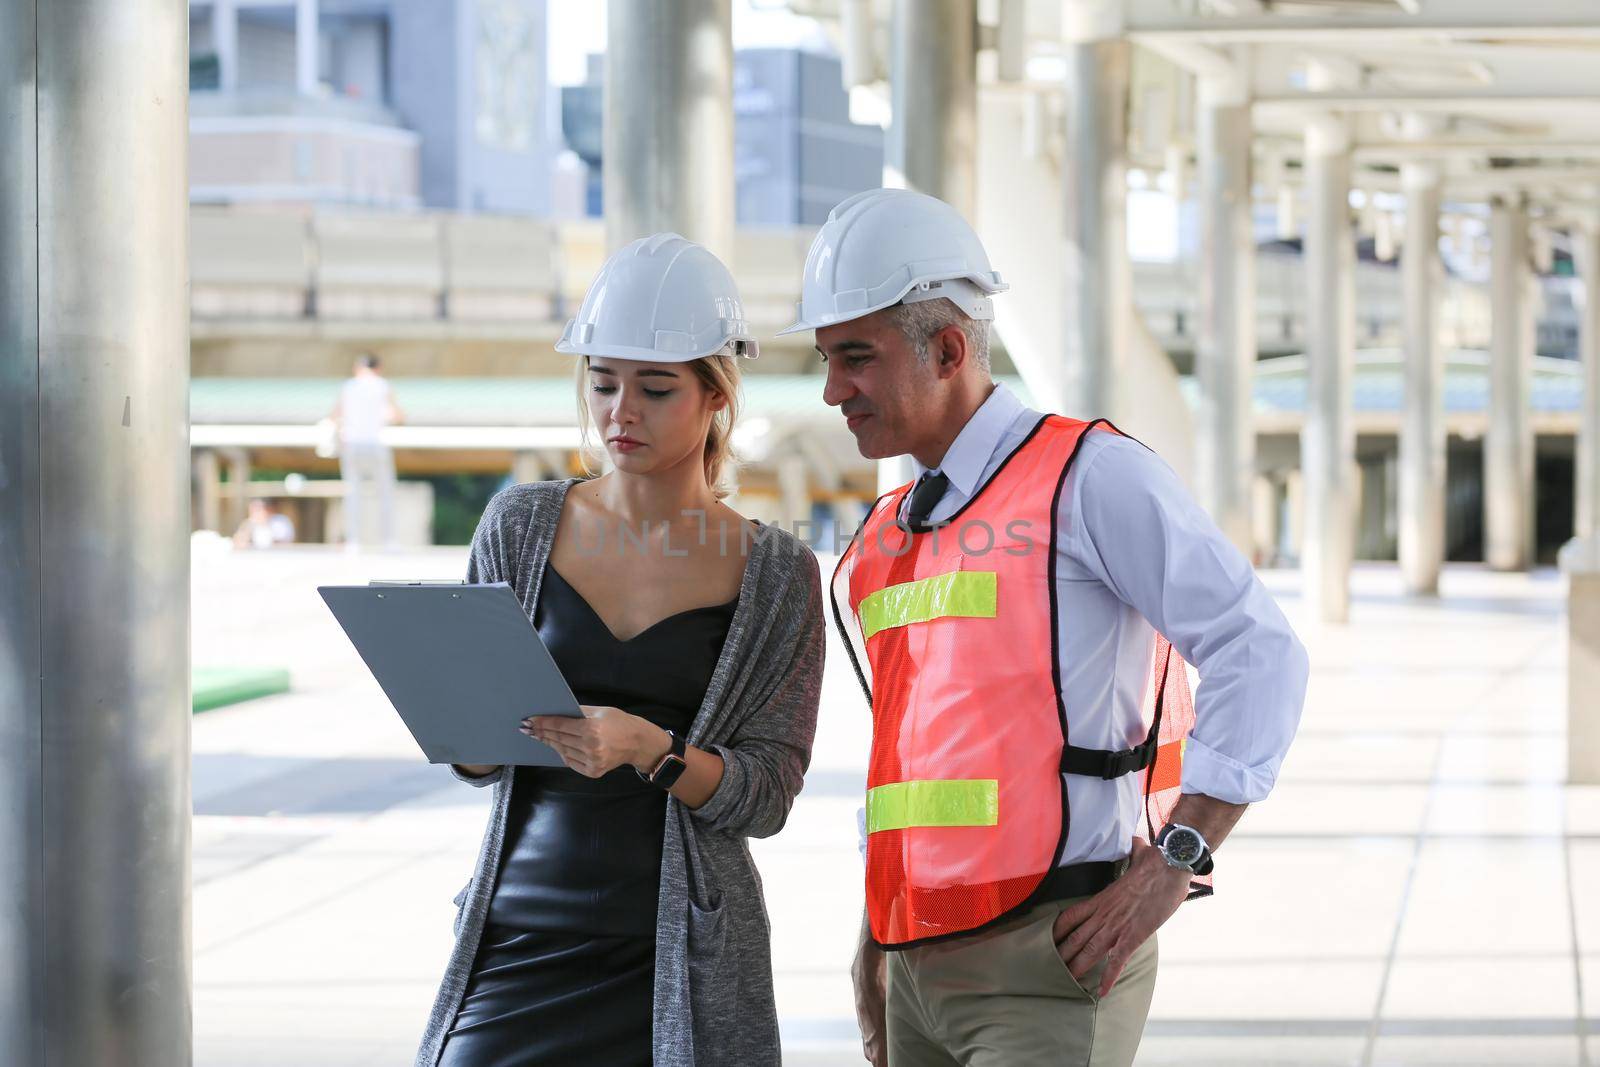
[
  {"x": 1466, "y": 18},
  {"x": 1436, "y": 150},
  {"x": 1491, "y": 98}
]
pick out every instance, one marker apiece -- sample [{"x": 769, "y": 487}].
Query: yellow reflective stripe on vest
[
  {"x": 967, "y": 802},
  {"x": 964, "y": 594}
]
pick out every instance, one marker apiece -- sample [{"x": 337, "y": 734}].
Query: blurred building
[
  {"x": 408, "y": 176},
  {"x": 387, "y": 104},
  {"x": 796, "y": 152}
]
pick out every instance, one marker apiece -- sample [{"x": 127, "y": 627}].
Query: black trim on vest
[
  {"x": 1061, "y": 883},
  {"x": 1055, "y": 640},
  {"x": 833, "y": 602}
]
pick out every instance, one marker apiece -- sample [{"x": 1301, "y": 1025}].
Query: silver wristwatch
[{"x": 1184, "y": 847}]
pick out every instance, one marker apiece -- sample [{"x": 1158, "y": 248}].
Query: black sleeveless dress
[{"x": 565, "y": 970}]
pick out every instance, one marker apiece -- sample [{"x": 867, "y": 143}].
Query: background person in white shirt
[
  {"x": 366, "y": 405},
  {"x": 1134, "y": 554}
]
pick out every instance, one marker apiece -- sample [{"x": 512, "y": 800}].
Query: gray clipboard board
[{"x": 462, "y": 665}]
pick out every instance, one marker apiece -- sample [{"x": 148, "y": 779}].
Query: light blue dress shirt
[{"x": 1134, "y": 554}]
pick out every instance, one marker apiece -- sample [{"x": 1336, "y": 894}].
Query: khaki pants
[{"x": 1004, "y": 998}]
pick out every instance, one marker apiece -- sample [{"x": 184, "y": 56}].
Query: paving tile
[
  {"x": 1504, "y": 808},
  {"x": 1471, "y": 759},
  {"x": 1585, "y": 859},
  {"x": 1319, "y": 758},
  {"x": 1276, "y": 1051},
  {"x": 1518, "y": 988},
  {"x": 1353, "y": 887},
  {"x": 1319, "y": 991},
  {"x": 1589, "y": 965},
  {"x": 1475, "y": 898},
  {"x": 1476, "y": 1051},
  {"x": 1583, "y": 810},
  {"x": 1351, "y": 810}
]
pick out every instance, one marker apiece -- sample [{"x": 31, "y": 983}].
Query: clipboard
[{"x": 462, "y": 665}]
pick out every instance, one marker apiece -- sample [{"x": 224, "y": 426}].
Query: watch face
[{"x": 1183, "y": 846}]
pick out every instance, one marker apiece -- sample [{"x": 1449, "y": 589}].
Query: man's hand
[
  {"x": 1112, "y": 924},
  {"x": 603, "y": 740},
  {"x": 870, "y": 973}
]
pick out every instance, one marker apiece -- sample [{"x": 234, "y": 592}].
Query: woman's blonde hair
[{"x": 719, "y": 373}]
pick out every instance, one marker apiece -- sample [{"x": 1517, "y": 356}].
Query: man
[
  {"x": 1013, "y": 608},
  {"x": 263, "y": 527},
  {"x": 366, "y": 405}
]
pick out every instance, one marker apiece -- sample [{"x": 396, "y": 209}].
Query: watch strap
[{"x": 666, "y": 773}]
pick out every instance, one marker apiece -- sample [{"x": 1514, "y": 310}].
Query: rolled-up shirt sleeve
[{"x": 1142, "y": 534}]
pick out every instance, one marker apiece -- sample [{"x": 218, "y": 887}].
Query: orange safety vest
[{"x": 966, "y": 800}]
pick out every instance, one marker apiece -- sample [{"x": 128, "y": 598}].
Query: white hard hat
[
  {"x": 660, "y": 299},
  {"x": 893, "y": 246}
]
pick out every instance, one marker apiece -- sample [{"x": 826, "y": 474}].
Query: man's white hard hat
[
  {"x": 660, "y": 299},
  {"x": 893, "y": 246}
]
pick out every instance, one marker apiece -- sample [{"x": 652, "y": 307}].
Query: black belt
[{"x": 1079, "y": 880}]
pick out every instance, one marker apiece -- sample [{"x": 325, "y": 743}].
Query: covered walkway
[{"x": 1421, "y": 889}]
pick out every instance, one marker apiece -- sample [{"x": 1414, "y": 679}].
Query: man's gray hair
[{"x": 920, "y": 321}]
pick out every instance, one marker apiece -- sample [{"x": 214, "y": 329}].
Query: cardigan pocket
[{"x": 713, "y": 987}]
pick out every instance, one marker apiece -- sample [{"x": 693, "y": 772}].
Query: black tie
[{"x": 925, "y": 496}]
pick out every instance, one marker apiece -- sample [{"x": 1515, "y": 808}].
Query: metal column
[
  {"x": 1587, "y": 521},
  {"x": 933, "y": 135},
  {"x": 1508, "y": 446},
  {"x": 933, "y": 140},
  {"x": 1225, "y": 349},
  {"x": 207, "y": 490},
  {"x": 1095, "y": 184},
  {"x": 306, "y": 50},
  {"x": 1422, "y": 430},
  {"x": 669, "y": 121},
  {"x": 1327, "y": 442},
  {"x": 225, "y": 38},
  {"x": 94, "y": 530}
]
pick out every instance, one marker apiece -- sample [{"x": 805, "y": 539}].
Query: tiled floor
[{"x": 1421, "y": 888}]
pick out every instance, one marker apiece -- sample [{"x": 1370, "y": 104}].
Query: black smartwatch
[
  {"x": 667, "y": 772},
  {"x": 1183, "y": 847}
]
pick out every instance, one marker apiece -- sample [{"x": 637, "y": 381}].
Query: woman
[{"x": 615, "y": 916}]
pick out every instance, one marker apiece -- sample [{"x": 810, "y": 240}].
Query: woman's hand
[{"x": 603, "y": 740}]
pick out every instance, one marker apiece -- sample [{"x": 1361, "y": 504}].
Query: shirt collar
[{"x": 975, "y": 445}]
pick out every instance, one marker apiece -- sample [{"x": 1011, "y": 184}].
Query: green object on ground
[{"x": 216, "y": 687}]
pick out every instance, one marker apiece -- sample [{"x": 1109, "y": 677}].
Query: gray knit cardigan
[{"x": 714, "y": 1002}]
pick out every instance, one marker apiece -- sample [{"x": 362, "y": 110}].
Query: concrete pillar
[
  {"x": 858, "y": 58},
  {"x": 1327, "y": 442},
  {"x": 1583, "y": 662},
  {"x": 669, "y": 121},
  {"x": 238, "y": 490},
  {"x": 225, "y": 37},
  {"x": 1095, "y": 183},
  {"x": 528, "y": 466},
  {"x": 1011, "y": 41},
  {"x": 1587, "y": 243},
  {"x": 794, "y": 489},
  {"x": 1580, "y": 558},
  {"x": 1294, "y": 515},
  {"x": 306, "y": 51},
  {"x": 1264, "y": 518},
  {"x": 208, "y": 490},
  {"x": 95, "y": 940},
  {"x": 933, "y": 140},
  {"x": 1225, "y": 347},
  {"x": 1422, "y": 429},
  {"x": 1508, "y": 445},
  {"x": 932, "y": 143}
]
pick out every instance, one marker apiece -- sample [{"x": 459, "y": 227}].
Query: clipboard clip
[{"x": 425, "y": 581}]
